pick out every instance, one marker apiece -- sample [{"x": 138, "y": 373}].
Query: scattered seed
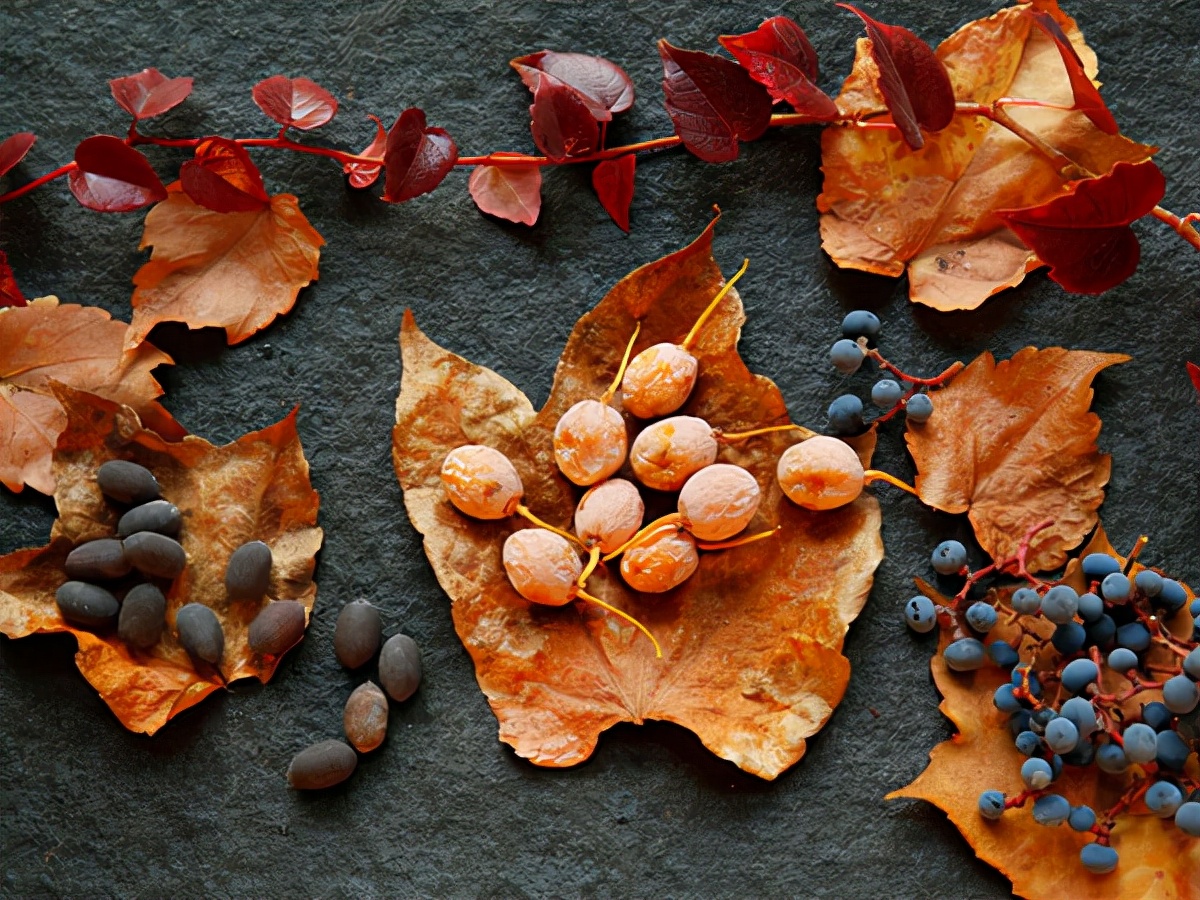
[
  {"x": 86, "y": 604},
  {"x": 127, "y": 482},
  {"x": 322, "y": 765},
  {"x": 100, "y": 560},
  {"x": 155, "y": 554},
  {"x": 400, "y": 667},
  {"x": 248, "y": 573},
  {"x": 142, "y": 616},
  {"x": 277, "y": 628},
  {"x": 157, "y": 515},
  {"x": 357, "y": 634},
  {"x": 366, "y": 717},
  {"x": 200, "y": 633}
]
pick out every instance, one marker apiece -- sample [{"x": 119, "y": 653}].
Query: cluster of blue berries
[
  {"x": 860, "y": 329},
  {"x": 1061, "y": 715}
]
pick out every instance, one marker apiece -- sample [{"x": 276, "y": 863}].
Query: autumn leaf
[
  {"x": 887, "y": 207},
  {"x": 612, "y": 180},
  {"x": 602, "y": 83},
  {"x": 149, "y": 93},
  {"x": 417, "y": 157},
  {"x": 779, "y": 56},
  {"x": 79, "y": 346},
  {"x": 235, "y": 270},
  {"x": 294, "y": 102},
  {"x": 14, "y": 148},
  {"x": 256, "y": 488},
  {"x": 110, "y": 176},
  {"x": 751, "y": 643},
  {"x": 10, "y": 291},
  {"x": 223, "y": 178},
  {"x": 512, "y": 192},
  {"x": 1013, "y": 444},
  {"x": 362, "y": 174},
  {"x": 562, "y": 122}
]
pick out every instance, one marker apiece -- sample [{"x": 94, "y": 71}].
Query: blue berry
[
  {"x": 1069, "y": 638},
  {"x": 1028, "y": 743},
  {"x": 1003, "y": 654},
  {"x": 1018, "y": 722},
  {"x": 1080, "y": 712},
  {"x": 991, "y": 804},
  {"x": 920, "y": 614},
  {"x": 1180, "y": 694},
  {"x": 1172, "y": 751},
  {"x": 1051, "y": 810},
  {"x": 1191, "y": 664},
  {"x": 1187, "y": 818},
  {"x": 1091, "y": 607},
  {"x": 1097, "y": 565},
  {"x": 846, "y": 414},
  {"x": 1172, "y": 597},
  {"x": 949, "y": 557},
  {"x": 1115, "y": 588},
  {"x": 1194, "y": 609},
  {"x": 1082, "y": 755},
  {"x": 1156, "y": 715},
  {"x": 1056, "y": 766},
  {"x": 1061, "y": 735},
  {"x": 1148, "y": 582},
  {"x": 846, "y": 356},
  {"x": 1163, "y": 799},
  {"x": 1122, "y": 660},
  {"x": 1041, "y": 718},
  {"x": 886, "y": 393},
  {"x": 1004, "y": 700},
  {"x": 1036, "y": 773},
  {"x": 965, "y": 655},
  {"x": 981, "y": 617},
  {"x": 1082, "y": 818},
  {"x": 919, "y": 408},
  {"x": 1026, "y": 601},
  {"x": 861, "y": 323},
  {"x": 1134, "y": 636},
  {"x": 1102, "y": 632},
  {"x": 1078, "y": 674},
  {"x": 1112, "y": 759},
  {"x": 1099, "y": 859},
  {"x": 1141, "y": 745},
  {"x": 1060, "y": 604}
]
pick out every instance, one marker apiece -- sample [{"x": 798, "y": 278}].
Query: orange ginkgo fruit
[
  {"x": 256, "y": 488},
  {"x": 1013, "y": 444},
  {"x": 886, "y": 207},
  {"x": 751, "y": 643}
]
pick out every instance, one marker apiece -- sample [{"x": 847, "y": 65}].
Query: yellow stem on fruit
[
  {"x": 726, "y": 438},
  {"x": 1141, "y": 542},
  {"x": 686, "y": 343},
  {"x": 593, "y": 558},
  {"x": 737, "y": 542},
  {"x": 612, "y": 388},
  {"x": 523, "y": 510},
  {"x": 584, "y": 595},
  {"x": 875, "y": 475},
  {"x": 666, "y": 523}
]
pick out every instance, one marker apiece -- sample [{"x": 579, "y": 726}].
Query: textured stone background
[{"x": 444, "y": 809}]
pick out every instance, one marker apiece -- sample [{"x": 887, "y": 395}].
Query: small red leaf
[
  {"x": 1084, "y": 236},
  {"x": 223, "y": 178},
  {"x": 509, "y": 192},
  {"x": 1194, "y": 374},
  {"x": 1087, "y": 98},
  {"x": 913, "y": 81},
  {"x": 778, "y": 56},
  {"x": 613, "y": 181},
  {"x": 562, "y": 123},
  {"x": 149, "y": 93},
  {"x": 362, "y": 174},
  {"x": 417, "y": 157},
  {"x": 110, "y": 176},
  {"x": 712, "y": 102},
  {"x": 295, "y": 102},
  {"x": 13, "y": 149},
  {"x": 602, "y": 82},
  {"x": 10, "y": 294}
]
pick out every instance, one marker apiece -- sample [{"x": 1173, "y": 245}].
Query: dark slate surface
[{"x": 444, "y": 809}]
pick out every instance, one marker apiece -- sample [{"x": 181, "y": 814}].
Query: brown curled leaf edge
[
  {"x": 256, "y": 488},
  {"x": 752, "y": 642}
]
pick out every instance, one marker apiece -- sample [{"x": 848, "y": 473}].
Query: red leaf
[
  {"x": 10, "y": 294},
  {"x": 613, "y": 181},
  {"x": 600, "y": 81},
  {"x": 113, "y": 177},
  {"x": 510, "y": 192},
  {"x": 149, "y": 93},
  {"x": 363, "y": 175},
  {"x": 1087, "y": 98},
  {"x": 295, "y": 102},
  {"x": 1194, "y": 374},
  {"x": 1084, "y": 236},
  {"x": 13, "y": 149},
  {"x": 913, "y": 81},
  {"x": 778, "y": 56},
  {"x": 712, "y": 102},
  {"x": 223, "y": 178},
  {"x": 563, "y": 124},
  {"x": 417, "y": 157}
]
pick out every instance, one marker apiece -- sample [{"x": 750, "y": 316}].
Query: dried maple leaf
[
  {"x": 233, "y": 270},
  {"x": 751, "y": 643},
  {"x": 886, "y": 206},
  {"x": 80, "y": 346},
  {"x": 256, "y": 488},
  {"x": 1013, "y": 444}
]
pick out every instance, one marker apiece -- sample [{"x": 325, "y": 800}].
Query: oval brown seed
[
  {"x": 157, "y": 515},
  {"x": 248, "y": 572},
  {"x": 86, "y": 604},
  {"x": 155, "y": 554},
  {"x": 127, "y": 482},
  {"x": 357, "y": 634},
  {"x": 98, "y": 561},
  {"x": 400, "y": 667},
  {"x": 277, "y": 628},
  {"x": 200, "y": 633},
  {"x": 366, "y": 717},
  {"x": 322, "y": 765},
  {"x": 142, "y": 616}
]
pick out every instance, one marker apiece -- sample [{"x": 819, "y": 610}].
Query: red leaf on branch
[
  {"x": 113, "y": 177},
  {"x": 10, "y": 293},
  {"x": 361, "y": 174},
  {"x": 295, "y": 102},
  {"x": 223, "y": 178},
  {"x": 913, "y": 81},
  {"x": 149, "y": 93},
  {"x": 613, "y": 181},
  {"x": 13, "y": 149},
  {"x": 1087, "y": 98},
  {"x": 417, "y": 157},
  {"x": 601, "y": 82},
  {"x": 562, "y": 122},
  {"x": 778, "y": 56},
  {"x": 1084, "y": 236},
  {"x": 509, "y": 192},
  {"x": 712, "y": 102}
]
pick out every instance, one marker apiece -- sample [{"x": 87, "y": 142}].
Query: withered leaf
[
  {"x": 751, "y": 643},
  {"x": 886, "y": 207},
  {"x": 1013, "y": 444},
  {"x": 80, "y": 346},
  {"x": 256, "y": 488}
]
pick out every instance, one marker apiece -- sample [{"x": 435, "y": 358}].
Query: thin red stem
[
  {"x": 949, "y": 373},
  {"x": 38, "y": 182}
]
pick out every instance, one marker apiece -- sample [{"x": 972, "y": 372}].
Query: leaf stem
[
  {"x": 1183, "y": 227},
  {"x": 38, "y": 182}
]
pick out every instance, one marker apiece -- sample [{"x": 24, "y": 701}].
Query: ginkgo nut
[
  {"x": 658, "y": 381},
  {"x": 609, "y": 514},
  {"x": 661, "y": 563},
  {"x": 590, "y": 442},
  {"x": 719, "y": 501},
  {"x": 481, "y": 482},
  {"x": 542, "y": 566},
  {"x": 820, "y": 473},
  {"x": 670, "y": 451}
]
